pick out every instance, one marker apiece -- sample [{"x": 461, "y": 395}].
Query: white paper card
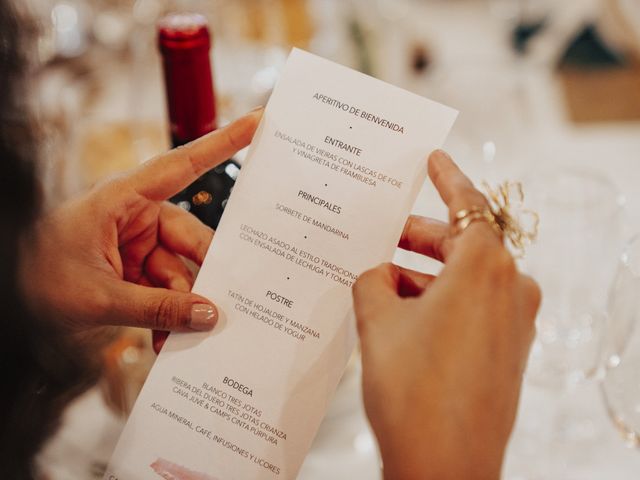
[{"x": 327, "y": 186}]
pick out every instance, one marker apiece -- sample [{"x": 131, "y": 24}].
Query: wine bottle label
[{"x": 328, "y": 183}]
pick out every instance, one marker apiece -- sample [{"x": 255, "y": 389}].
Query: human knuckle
[
  {"x": 205, "y": 238},
  {"x": 436, "y": 173},
  {"x": 361, "y": 323},
  {"x": 101, "y": 302},
  {"x": 367, "y": 276},
  {"x": 504, "y": 259},
  {"x": 231, "y": 139},
  {"x": 191, "y": 159},
  {"x": 359, "y": 286},
  {"x": 200, "y": 248},
  {"x": 116, "y": 181},
  {"x": 367, "y": 316},
  {"x": 169, "y": 211},
  {"x": 443, "y": 246},
  {"x": 505, "y": 264},
  {"x": 104, "y": 192},
  {"x": 478, "y": 250},
  {"x": 499, "y": 264},
  {"x": 162, "y": 313},
  {"x": 534, "y": 292},
  {"x": 356, "y": 288},
  {"x": 471, "y": 196}
]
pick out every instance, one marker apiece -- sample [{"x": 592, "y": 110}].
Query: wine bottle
[{"x": 185, "y": 43}]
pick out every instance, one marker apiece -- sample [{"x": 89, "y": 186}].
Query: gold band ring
[
  {"x": 466, "y": 216},
  {"x": 504, "y": 212}
]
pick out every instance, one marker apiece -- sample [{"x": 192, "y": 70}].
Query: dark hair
[{"x": 39, "y": 370}]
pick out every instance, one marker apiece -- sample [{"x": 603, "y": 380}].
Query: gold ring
[
  {"x": 466, "y": 216},
  {"x": 506, "y": 215}
]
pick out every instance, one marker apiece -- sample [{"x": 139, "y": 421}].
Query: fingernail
[
  {"x": 203, "y": 317},
  {"x": 180, "y": 285},
  {"x": 255, "y": 109},
  {"x": 441, "y": 155}
]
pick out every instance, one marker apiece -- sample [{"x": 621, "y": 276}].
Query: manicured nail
[
  {"x": 180, "y": 285},
  {"x": 203, "y": 317}
]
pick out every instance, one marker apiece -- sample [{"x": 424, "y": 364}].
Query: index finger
[
  {"x": 168, "y": 174},
  {"x": 455, "y": 189}
]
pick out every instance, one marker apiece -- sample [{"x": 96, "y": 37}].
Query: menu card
[{"x": 328, "y": 182}]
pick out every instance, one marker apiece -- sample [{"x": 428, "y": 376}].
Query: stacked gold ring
[
  {"x": 465, "y": 217},
  {"x": 501, "y": 216}
]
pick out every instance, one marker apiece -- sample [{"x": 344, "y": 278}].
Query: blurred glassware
[
  {"x": 113, "y": 23},
  {"x": 621, "y": 383},
  {"x": 64, "y": 27},
  {"x": 70, "y": 22},
  {"x": 574, "y": 261},
  {"x": 330, "y": 34},
  {"x": 126, "y": 363}
]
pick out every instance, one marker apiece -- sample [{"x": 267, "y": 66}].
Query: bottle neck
[{"x": 189, "y": 85}]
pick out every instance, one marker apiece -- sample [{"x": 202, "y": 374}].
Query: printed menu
[{"x": 327, "y": 185}]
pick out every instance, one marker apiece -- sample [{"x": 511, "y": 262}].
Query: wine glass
[
  {"x": 574, "y": 261},
  {"x": 621, "y": 384}
]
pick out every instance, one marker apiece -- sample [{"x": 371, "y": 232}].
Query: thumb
[
  {"x": 161, "y": 309},
  {"x": 373, "y": 292}
]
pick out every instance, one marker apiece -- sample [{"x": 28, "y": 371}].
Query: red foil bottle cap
[
  {"x": 183, "y": 31},
  {"x": 184, "y": 41}
]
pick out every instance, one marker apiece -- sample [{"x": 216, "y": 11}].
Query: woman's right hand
[{"x": 443, "y": 357}]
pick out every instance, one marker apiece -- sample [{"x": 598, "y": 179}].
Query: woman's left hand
[{"x": 111, "y": 257}]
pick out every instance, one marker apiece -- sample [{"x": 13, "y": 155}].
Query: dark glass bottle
[{"x": 184, "y": 43}]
